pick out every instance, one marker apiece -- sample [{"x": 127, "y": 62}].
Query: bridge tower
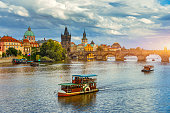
[{"x": 66, "y": 40}]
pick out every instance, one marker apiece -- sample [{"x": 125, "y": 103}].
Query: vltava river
[{"x": 123, "y": 87}]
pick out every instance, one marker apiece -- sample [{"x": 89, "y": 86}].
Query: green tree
[
  {"x": 53, "y": 50},
  {"x": 12, "y": 52},
  {"x": 3, "y": 54},
  {"x": 19, "y": 52}
]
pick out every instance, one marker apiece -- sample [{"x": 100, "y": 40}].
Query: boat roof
[
  {"x": 150, "y": 66},
  {"x": 87, "y": 75},
  {"x": 67, "y": 84}
]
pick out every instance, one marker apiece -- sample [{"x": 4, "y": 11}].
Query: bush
[{"x": 45, "y": 58}]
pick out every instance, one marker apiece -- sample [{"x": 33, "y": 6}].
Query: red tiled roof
[
  {"x": 72, "y": 43},
  {"x": 33, "y": 43},
  {"x": 80, "y": 45},
  {"x": 103, "y": 44},
  {"x": 8, "y": 39}
]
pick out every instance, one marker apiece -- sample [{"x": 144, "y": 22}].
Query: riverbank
[{"x": 6, "y": 60}]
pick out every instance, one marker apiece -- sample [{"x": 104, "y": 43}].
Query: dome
[
  {"x": 116, "y": 45},
  {"x": 25, "y": 41},
  {"x": 29, "y": 33}
]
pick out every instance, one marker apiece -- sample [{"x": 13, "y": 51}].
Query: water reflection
[{"x": 78, "y": 101}]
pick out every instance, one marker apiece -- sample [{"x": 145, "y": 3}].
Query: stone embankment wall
[{"x": 6, "y": 60}]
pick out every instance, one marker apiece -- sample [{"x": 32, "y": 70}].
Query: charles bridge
[{"x": 120, "y": 55}]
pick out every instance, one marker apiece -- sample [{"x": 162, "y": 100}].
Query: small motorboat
[
  {"x": 153, "y": 59},
  {"x": 147, "y": 68},
  {"x": 34, "y": 64}
]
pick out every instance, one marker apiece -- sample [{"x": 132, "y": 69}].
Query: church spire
[{"x": 84, "y": 34}]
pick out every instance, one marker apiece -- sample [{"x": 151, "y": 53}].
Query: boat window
[
  {"x": 73, "y": 78},
  {"x": 72, "y": 87}
]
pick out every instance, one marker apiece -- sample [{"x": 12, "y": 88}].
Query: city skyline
[{"x": 128, "y": 22}]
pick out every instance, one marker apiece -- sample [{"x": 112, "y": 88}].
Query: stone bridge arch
[
  {"x": 104, "y": 57},
  {"x": 150, "y": 58},
  {"x": 130, "y": 55},
  {"x": 164, "y": 57},
  {"x": 73, "y": 56}
]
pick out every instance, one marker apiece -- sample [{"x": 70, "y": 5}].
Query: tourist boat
[
  {"x": 147, "y": 68},
  {"x": 81, "y": 84},
  {"x": 19, "y": 61}
]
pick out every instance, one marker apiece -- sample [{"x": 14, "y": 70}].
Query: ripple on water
[{"x": 122, "y": 88}]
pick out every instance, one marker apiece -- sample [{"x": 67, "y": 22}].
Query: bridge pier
[
  {"x": 164, "y": 58},
  {"x": 119, "y": 58},
  {"x": 141, "y": 58}
]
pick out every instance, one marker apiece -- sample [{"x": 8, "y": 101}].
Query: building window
[
  {"x": 17, "y": 46},
  {"x": 6, "y": 46},
  {"x": 9, "y": 43}
]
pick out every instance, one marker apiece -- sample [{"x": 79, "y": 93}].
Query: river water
[{"x": 123, "y": 87}]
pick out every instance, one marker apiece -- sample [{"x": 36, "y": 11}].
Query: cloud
[
  {"x": 146, "y": 21},
  {"x": 141, "y": 33},
  {"x": 114, "y": 32},
  {"x": 106, "y": 18},
  {"x": 18, "y": 10},
  {"x": 76, "y": 38},
  {"x": 3, "y": 5}
]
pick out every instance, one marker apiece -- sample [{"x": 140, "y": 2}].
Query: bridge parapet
[{"x": 141, "y": 54}]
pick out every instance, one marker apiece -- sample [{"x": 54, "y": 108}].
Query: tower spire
[
  {"x": 84, "y": 34},
  {"x": 66, "y": 31},
  {"x": 29, "y": 29}
]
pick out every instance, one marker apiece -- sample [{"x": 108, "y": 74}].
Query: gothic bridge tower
[{"x": 66, "y": 40}]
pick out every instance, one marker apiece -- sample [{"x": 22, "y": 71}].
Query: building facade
[
  {"x": 9, "y": 42},
  {"x": 73, "y": 47},
  {"x": 94, "y": 45},
  {"x": 28, "y": 42},
  {"x": 88, "y": 47},
  {"x": 24, "y": 45},
  {"x": 80, "y": 47},
  {"x": 66, "y": 40}
]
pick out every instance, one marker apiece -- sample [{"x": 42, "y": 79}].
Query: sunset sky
[{"x": 132, "y": 23}]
